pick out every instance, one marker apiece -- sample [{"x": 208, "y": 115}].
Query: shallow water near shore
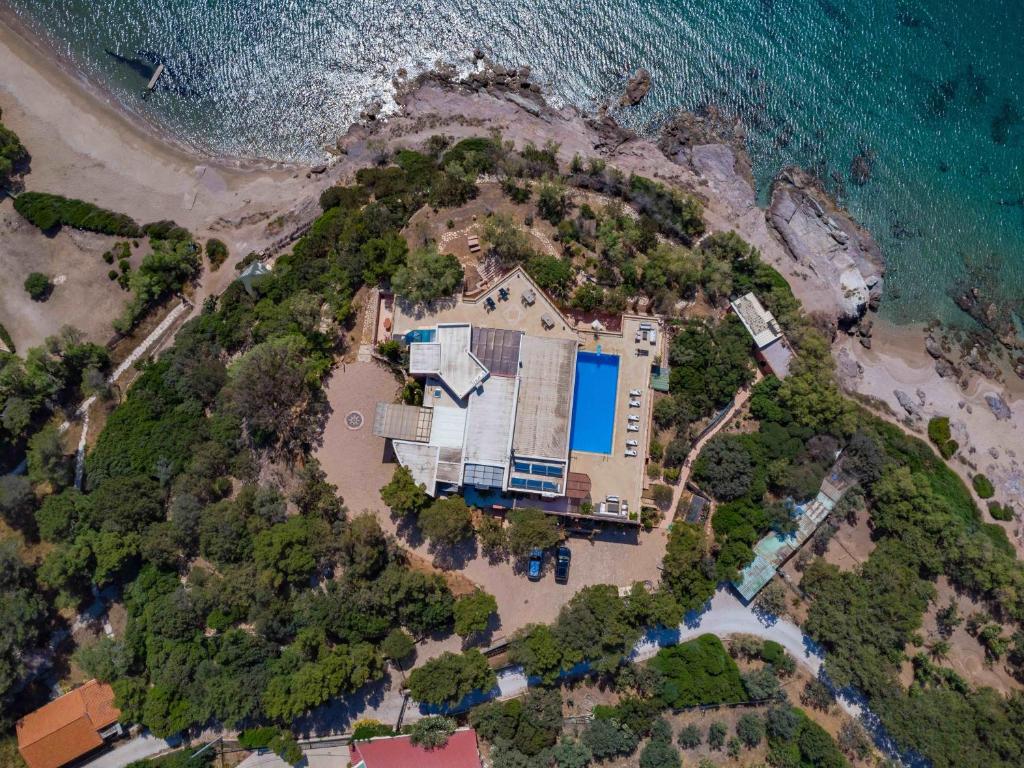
[{"x": 929, "y": 95}]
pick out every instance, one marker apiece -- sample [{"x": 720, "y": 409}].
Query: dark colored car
[
  {"x": 536, "y": 566},
  {"x": 562, "y": 558}
]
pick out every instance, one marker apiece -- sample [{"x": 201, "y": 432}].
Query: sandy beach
[{"x": 83, "y": 146}]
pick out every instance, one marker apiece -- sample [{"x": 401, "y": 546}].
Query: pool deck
[
  {"x": 616, "y": 474},
  {"x": 612, "y": 474}
]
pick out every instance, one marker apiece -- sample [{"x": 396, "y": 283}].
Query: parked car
[
  {"x": 634, "y": 403},
  {"x": 632, "y": 443},
  {"x": 635, "y": 393},
  {"x": 633, "y": 417},
  {"x": 631, "y": 451},
  {"x": 562, "y": 558},
  {"x": 536, "y": 565},
  {"x": 633, "y": 428}
]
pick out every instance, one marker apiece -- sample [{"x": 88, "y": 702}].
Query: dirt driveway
[{"x": 354, "y": 459}]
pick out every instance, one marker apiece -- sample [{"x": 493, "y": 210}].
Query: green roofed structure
[{"x": 771, "y": 552}]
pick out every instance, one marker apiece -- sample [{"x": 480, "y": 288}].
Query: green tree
[
  {"x": 47, "y": 461},
  {"x": 490, "y": 532},
  {"x": 716, "y": 734},
  {"x": 529, "y": 528},
  {"x": 750, "y": 730},
  {"x": 16, "y": 500},
  {"x": 659, "y": 754},
  {"x": 427, "y": 276},
  {"x": 447, "y": 679},
  {"x": 447, "y": 522},
  {"x": 216, "y": 252},
  {"x": 690, "y": 736},
  {"x": 397, "y": 646},
  {"x": 506, "y": 240},
  {"x": 287, "y": 553},
  {"x": 22, "y": 620},
  {"x": 402, "y": 494},
  {"x": 38, "y": 286},
  {"x": 473, "y": 613},
  {"x": 536, "y": 648},
  {"x": 685, "y": 570},
  {"x": 606, "y": 738},
  {"x": 725, "y": 468},
  {"x": 364, "y": 547},
  {"x": 58, "y": 515}
]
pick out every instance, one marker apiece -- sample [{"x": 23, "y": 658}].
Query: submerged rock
[
  {"x": 636, "y": 89},
  {"x": 825, "y": 239},
  {"x": 860, "y": 167}
]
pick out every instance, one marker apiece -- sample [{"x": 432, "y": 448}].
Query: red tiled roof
[
  {"x": 68, "y": 727},
  {"x": 399, "y": 752}
]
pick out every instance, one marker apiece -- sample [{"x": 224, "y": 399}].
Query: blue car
[{"x": 536, "y": 565}]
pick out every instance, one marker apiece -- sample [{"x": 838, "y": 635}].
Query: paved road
[
  {"x": 725, "y": 616},
  {"x": 138, "y": 748}
]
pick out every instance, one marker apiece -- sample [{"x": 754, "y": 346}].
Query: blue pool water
[{"x": 593, "y": 402}]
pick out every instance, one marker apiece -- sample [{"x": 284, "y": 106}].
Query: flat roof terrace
[{"x": 547, "y": 374}]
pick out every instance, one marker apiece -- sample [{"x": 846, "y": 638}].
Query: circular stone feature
[{"x": 354, "y": 420}]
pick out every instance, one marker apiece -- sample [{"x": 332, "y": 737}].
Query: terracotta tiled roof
[
  {"x": 399, "y": 752},
  {"x": 67, "y": 727}
]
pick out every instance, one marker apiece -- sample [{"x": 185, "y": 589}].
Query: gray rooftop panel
[
  {"x": 498, "y": 349},
  {"x": 544, "y": 407}
]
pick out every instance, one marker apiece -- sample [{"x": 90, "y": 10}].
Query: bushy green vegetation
[
  {"x": 596, "y": 627},
  {"x": 23, "y": 613},
  {"x": 13, "y": 155},
  {"x": 983, "y": 486},
  {"x": 216, "y": 252},
  {"x": 698, "y": 672},
  {"x": 529, "y": 726},
  {"x": 427, "y": 276},
  {"x": 38, "y": 286},
  {"x": 238, "y": 636},
  {"x": 938, "y": 433},
  {"x": 48, "y": 377},
  {"x": 447, "y": 679},
  {"x": 48, "y": 212},
  {"x": 174, "y": 260}
]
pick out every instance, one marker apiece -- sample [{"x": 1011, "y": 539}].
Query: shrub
[
  {"x": 938, "y": 433},
  {"x": 690, "y": 737},
  {"x": 1000, "y": 511},
  {"x": 983, "y": 486},
  {"x": 607, "y": 738},
  {"x": 716, "y": 734},
  {"x": 699, "y": 672},
  {"x": 432, "y": 732},
  {"x": 48, "y": 211},
  {"x": 662, "y": 495},
  {"x": 13, "y": 156},
  {"x": 750, "y": 730},
  {"x": 38, "y": 286},
  {"x": 216, "y": 252},
  {"x": 347, "y": 198}
]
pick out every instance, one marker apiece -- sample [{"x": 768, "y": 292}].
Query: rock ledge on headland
[{"x": 826, "y": 240}]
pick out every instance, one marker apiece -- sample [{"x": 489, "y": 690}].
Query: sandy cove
[{"x": 85, "y": 147}]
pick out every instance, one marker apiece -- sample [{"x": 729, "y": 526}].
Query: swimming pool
[{"x": 593, "y": 402}]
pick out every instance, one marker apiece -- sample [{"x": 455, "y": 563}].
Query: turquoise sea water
[{"x": 932, "y": 91}]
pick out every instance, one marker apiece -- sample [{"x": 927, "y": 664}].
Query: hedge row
[{"x": 48, "y": 212}]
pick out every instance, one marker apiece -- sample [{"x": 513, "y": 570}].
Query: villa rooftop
[
  {"x": 545, "y": 398},
  {"x": 759, "y": 322}
]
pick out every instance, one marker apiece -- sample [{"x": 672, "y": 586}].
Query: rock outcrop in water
[
  {"x": 827, "y": 241},
  {"x": 636, "y": 89}
]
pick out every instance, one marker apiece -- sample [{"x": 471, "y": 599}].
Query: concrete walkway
[{"x": 138, "y": 748}]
